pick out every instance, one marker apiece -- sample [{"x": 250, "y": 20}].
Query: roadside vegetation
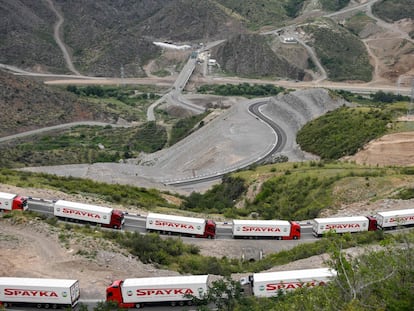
[
  {"x": 243, "y": 89},
  {"x": 341, "y": 52}
]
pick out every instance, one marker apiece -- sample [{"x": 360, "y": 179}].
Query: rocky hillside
[
  {"x": 103, "y": 36},
  {"x": 26, "y": 105},
  {"x": 236, "y": 56}
]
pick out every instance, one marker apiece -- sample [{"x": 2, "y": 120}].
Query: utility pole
[
  {"x": 122, "y": 75},
  {"x": 410, "y": 110}
]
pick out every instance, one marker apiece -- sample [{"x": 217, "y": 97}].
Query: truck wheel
[
  {"x": 189, "y": 303},
  {"x": 115, "y": 227},
  {"x": 6, "y": 305},
  {"x": 47, "y": 306},
  {"x": 138, "y": 306},
  {"x": 173, "y": 303},
  {"x": 54, "y": 306},
  {"x": 295, "y": 237},
  {"x": 181, "y": 303},
  {"x": 39, "y": 305}
]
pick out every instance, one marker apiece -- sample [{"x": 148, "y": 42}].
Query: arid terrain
[{"x": 392, "y": 149}]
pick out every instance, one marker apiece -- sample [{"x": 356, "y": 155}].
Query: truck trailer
[
  {"x": 393, "y": 219},
  {"x": 269, "y": 284},
  {"x": 93, "y": 214},
  {"x": 189, "y": 226},
  {"x": 276, "y": 229},
  {"x": 135, "y": 293},
  {"x": 38, "y": 292},
  {"x": 9, "y": 201},
  {"x": 343, "y": 225}
]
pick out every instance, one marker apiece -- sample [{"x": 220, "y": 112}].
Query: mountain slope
[
  {"x": 26, "y": 105},
  {"x": 251, "y": 55}
]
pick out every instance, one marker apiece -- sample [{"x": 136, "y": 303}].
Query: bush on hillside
[
  {"x": 342, "y": 132},
  {"x": 331, "y": 5},
  {"x": 243, "y": 89},
  {"x": 218, "y": 199}
]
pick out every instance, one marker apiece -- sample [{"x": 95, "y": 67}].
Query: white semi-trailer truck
[
  {"x": 189, "y": 226},
  {"x": 87, "y": 213},
  {"x": 135, "y": 293},
  {"x": 38, "y": 292},
  {"x": 269, "y": 284},
  {"x": 275, "y": 229},
  {"x": 343, "y": 225},
  {"x": 392, "y": 219}
]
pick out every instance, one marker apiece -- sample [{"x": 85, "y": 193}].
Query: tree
[{"x": 224, "y": 294}]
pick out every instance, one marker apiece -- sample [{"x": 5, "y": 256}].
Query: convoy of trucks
[
  {"x": 269, "y": 284},
  {"x": 276, "y": 229},
  {"x": 98, "y": 215},
  {"x": 10, "y": 201},
  {"x": 188, "y": 226},
  {"x": 38, "y": 292},
  {"x": 135, "y": 293},
  {"x": 343, "y": 225},
  {"x": 205, "y": 228},
  {"x": 176, "y": 290}
]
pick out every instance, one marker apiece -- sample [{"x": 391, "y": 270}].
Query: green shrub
[
  {"x": 243, "y": 89},
  {"x": 342, "y": 132}
]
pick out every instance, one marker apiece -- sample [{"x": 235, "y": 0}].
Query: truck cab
[
  {"x": 294, "y": 231},
  {"x": 117, "y": 219},
  {"x": 210, "y": 229},
  {"x": 20, "y": 203},
  {"x": 114, "y": 293},
  {"x": 372, "y": 223}
]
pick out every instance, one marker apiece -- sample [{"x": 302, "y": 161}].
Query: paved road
[
  {"x": 224, "y": 232},
  {"x": 352, "y": 8},
  {"x": 56, "y": 127}
]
